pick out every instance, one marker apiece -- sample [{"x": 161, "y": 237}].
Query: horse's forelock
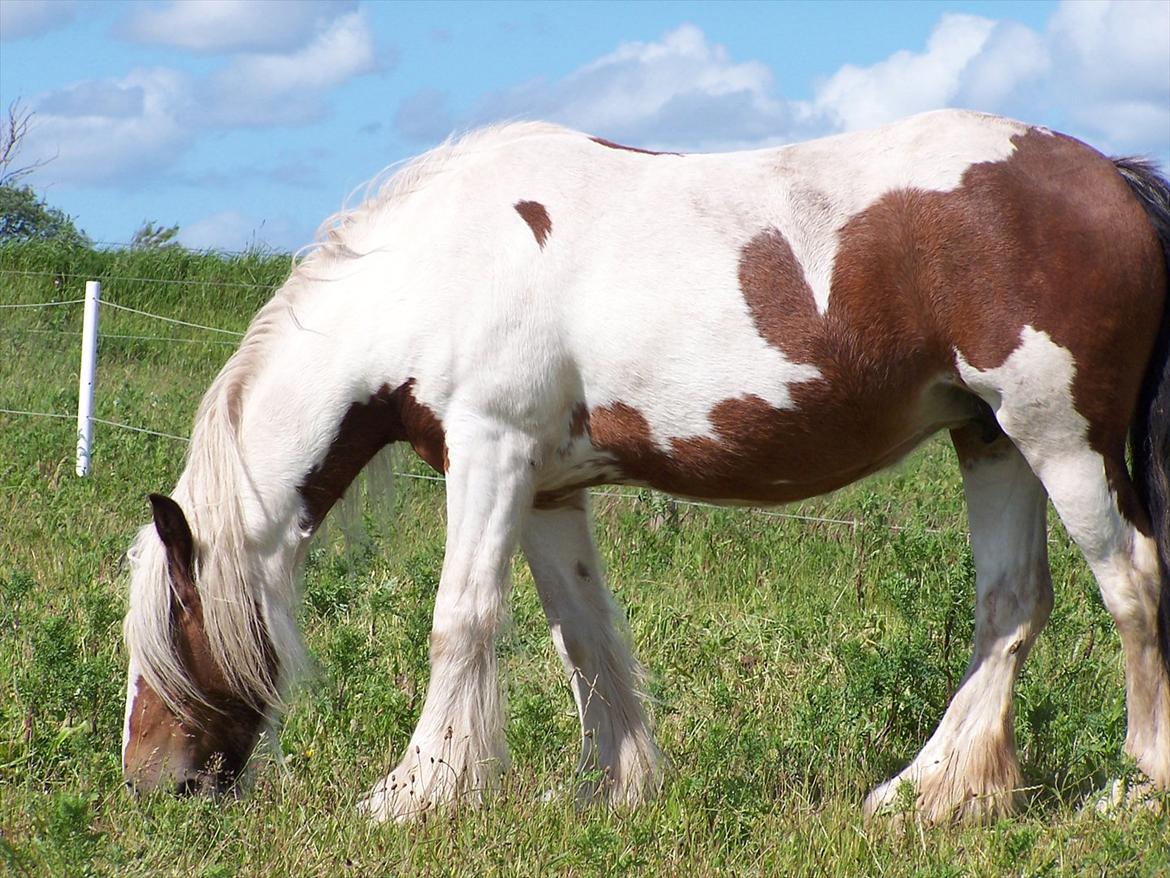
[{"x": 147, "y": 627}]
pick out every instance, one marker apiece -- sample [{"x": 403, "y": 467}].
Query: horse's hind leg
[
  {"x": 968, "y": 768},
  {"x": 1125, "y": 563},
  {"x": 458, "y": 750},
  {"x": 1090, "y": 486},
  {"x": 619, "y": 760}
]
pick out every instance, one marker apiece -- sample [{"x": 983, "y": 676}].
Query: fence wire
[
  {"x": 74, "y": 334},
  {"x": 594, "y": 492},
  {"x": 44, "y": 304},
  {"x": 108, "y": 304},
  {"x": 174, "y": 281}
]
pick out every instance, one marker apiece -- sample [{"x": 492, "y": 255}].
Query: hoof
[
  {"x": 1126, "y": 795},
  {"x": 934, "y": 797}
]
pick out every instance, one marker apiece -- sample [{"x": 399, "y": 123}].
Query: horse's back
[{"x": 776, "y": 323}]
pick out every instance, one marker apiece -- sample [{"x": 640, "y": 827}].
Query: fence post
[{"x": 89, "y": 330}]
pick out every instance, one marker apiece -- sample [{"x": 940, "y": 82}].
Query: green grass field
[{"x": 793, "y": 664}]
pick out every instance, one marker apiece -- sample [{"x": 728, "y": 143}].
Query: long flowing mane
[
  {"x": 243, "y": 623},
  {"x": 235, "y": 617}
]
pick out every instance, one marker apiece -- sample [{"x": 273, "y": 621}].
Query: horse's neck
[{"x": 296, "y": 401}]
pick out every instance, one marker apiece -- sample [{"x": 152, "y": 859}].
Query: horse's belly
[{"x": 755, "y": 453}]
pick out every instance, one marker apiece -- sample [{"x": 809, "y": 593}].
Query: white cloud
[
  {"x": 118, "y": 131},
  {"x": 1007, "y": 73},
  {"x": 232, "y": 230},
  {"x": 1114, "y": 61},
  {"x": 274, "y": 89},
  {"x": 21, "y": 19},
  {"x": 220, "y": 26},
  {"x": 680, "y": 91},
  {"x": 110, "y": 130},
  {"x": 1115, "y": 46},
  {"x": 1100, "y": 68},
  {"x": 94, "y": 97},
  {"x": 906, "y": 82}
]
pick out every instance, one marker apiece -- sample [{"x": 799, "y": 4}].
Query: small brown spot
[
  {"x": 612, "y": 145},
  {"x": 534, "y": 213},
  {"x": 582, "y": 570}
]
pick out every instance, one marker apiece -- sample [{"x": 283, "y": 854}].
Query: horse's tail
[{"x": 1150, "y": 434}]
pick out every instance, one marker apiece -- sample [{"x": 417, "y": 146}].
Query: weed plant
[{"x": 793, "y": 664}]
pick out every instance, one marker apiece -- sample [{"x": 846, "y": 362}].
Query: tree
[
  {"x": 16, "y": 128},
  {"x": 151, "y": 236},
  {"x": 23, "y": 215}
]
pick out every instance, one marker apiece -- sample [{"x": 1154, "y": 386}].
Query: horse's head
[{"x": 198, "y": 737}]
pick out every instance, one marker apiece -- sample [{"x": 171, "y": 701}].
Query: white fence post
[{"x": 89, "y": 330}]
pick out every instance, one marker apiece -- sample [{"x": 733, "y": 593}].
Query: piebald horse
[{"x": 537, "y": 311}]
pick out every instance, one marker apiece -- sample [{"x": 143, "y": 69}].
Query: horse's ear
[{"x": 175, "y": 533}]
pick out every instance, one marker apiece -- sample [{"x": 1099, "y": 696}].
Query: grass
[{"x": 793, "y": 664}]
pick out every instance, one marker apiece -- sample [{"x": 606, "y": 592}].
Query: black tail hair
[{"x": 1149, "y": 436}]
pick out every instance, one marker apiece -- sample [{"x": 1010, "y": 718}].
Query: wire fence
[
  {"x": 852, "y": 523},
  {"x": 166, "y": 338},
  {"x": 172, "y": 320},
  {"x": 176, "y": 281},
  {"x": 44, "y": 304}
]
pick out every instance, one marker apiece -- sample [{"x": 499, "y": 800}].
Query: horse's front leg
[
  {"x": 458, "y": 751},
  {"x": 619, "y": 760}
]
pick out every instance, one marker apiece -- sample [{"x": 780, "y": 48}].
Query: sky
[{"x": 248, "y": 122}]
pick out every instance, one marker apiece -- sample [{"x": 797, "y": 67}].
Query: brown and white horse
[{"x": 537, "y": 311}]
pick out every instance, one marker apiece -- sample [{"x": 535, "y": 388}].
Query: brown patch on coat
[
  {"x": 609, "y": 143},
  {"x": 578, "y": 429},
  {"x": 206, "y": 750},
  {"x": 875, "y": 356},
  {"x": 535, "y": 214},
  {"x": 1050, "y": 237},
  {"x": 579, "y": 421},
  {"x": 367, "y": 427}
]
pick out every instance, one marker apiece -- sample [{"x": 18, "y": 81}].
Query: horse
[{"x": 536, "y": 311}]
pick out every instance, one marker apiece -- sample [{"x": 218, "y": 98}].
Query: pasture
[{"x": 794, "y": 661}]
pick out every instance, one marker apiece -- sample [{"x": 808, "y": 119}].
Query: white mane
[
  {"x": 400, "y": 180},
  {"x": 236, "y": 613}
]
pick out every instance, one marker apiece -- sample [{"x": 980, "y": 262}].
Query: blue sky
[{"x": 249, "y": 121}]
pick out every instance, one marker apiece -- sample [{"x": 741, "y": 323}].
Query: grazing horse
[{"x": 536, "y": 311}]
